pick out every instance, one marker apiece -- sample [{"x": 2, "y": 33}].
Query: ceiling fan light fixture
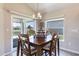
[
  {"x": 34, "y": 16},
  {"x": 37, "y": 15}
]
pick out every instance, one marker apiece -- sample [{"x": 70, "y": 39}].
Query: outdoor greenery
[
  {"x": 61, "y": 37},
  {"x": 31, "y": 32},
  {"x": 16, "y": 28},
  {"x": 15, "y": 32}
]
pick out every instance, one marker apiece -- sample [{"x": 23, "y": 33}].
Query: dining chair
[
  {"x": 26, "y": 48},
  {"x": 51, "y": 47}
]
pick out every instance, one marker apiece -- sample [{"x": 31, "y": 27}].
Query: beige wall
[
  {"x": 20, "y": 8},
  {"x": 5, "y": 23},
  {"x": 7, "y": 31},
  {"x": 71, "y": 27},
  {"x": 1, "y": 30}
]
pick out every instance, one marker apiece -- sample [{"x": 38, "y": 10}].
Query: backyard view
[
  {"x": 56, "y": 26},
  {"x": 16, "y": 30},
  {"x": 22, "y": 26}
]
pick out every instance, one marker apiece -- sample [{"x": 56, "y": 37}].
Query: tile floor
[{"x": 62, "y": 53}]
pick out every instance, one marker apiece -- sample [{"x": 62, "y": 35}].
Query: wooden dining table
[{"x": 40, "y": 42}]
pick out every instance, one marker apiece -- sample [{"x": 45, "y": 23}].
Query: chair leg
[
  {"x": 18, "y": 48},
  {"x": 21, "y": 53},
  {"x": 45, "y": 53},
  {"x": 34, "y": 54},
  {"x": 55, "y": 52},
  {"x": 50, "y": 53}
]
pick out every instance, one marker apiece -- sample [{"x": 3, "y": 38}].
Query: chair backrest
[
  {"x": 54, "y": 41},
  {"x": 24, "y": 39}
]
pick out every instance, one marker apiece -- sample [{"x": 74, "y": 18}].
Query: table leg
[
  {"x": 18, "y": 48},
  {"x": 39, "y": 51},
  {"x": 21, "y": 50},
  {"x": 58, "y": 48},
  {"x": 55, "y": 50}
]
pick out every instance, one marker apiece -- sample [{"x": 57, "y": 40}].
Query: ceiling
[{"x": 47, "y": 7}]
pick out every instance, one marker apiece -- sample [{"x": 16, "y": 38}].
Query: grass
[
  {"x": 61, "y": 37},
  {"x": 31, "y": 32}
]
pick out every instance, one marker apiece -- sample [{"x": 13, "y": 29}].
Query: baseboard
[
  {"x": 72, "y": 51},
  {"x": 5, "y": 54}
]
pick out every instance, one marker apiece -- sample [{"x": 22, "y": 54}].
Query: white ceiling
[{"x": 47, "y": 7}]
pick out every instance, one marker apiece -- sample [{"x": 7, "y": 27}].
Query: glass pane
[
  {"x": 16, "y": 30},
  {"x": 56, "y": 26},
  {"x": 30, "y": 25}
]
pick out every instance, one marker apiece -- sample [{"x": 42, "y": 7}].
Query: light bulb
[
  {"x": 38, "y": 14},
  {"x": 40, "y": 17},
  {"x": 33, "y": 15}
]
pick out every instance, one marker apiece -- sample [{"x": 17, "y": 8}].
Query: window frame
[
  {"x": 14, "y": 16},
  {"x": 55, "y": 19}
]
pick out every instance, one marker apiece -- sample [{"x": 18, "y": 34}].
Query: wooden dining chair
[
  {"x": 26, "y": 48},
  {"x": 51, "y": 47}
]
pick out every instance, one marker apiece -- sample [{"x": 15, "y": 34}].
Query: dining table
[{"x": 39, "y": 42}]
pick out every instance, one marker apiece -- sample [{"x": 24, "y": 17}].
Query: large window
[
  {"x": 16, "y": 29},
  {"x": 30, "y": 26},
  {"x": 56, "y": 25},
  {"x": 20, "y": 24},
  {"x": 31, "y": 23}
]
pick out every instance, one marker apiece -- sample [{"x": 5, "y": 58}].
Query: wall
[
  {"x": 71, "y": 27},
  {"x": 1, "y": 30},
  {"x": 71, "y": 24},
  {"x": 5, "y": 23},
  {"x": 20, "y": 8}
]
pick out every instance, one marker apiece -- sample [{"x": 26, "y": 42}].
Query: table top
[
  {"x": 40, "y": 40},
  {"x": 39, "y": 43}
]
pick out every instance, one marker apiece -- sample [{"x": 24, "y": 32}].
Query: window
[
  {"x": 31, "y": 26},
  {"x": 56, "y": 25},
  {"x": 19, "y": 24},
  {"x": 16, "y": 29},
  {"x": 31, "y": 23}
]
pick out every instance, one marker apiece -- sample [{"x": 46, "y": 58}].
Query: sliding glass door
[
  {"x": 20, "y": 25},
  {"x": 16, "y": 29}
]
